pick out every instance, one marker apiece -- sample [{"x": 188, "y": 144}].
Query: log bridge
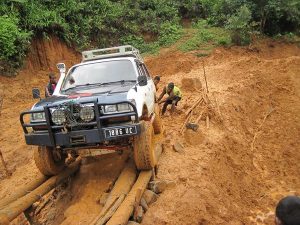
[{"x": 118, "y": 208}]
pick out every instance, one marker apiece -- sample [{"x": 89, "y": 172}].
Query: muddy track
[{"x": 232, "y": 172}]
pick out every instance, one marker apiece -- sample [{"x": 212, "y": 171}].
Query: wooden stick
[
  {"x": 205, "y": 77},
  {"x": 41, "y": 206},
  {"x": 126, "y": 208},
  {"x": 4, "y": 165},
  {"x": 122, "y": 186},
  {"x": 207, "y": 122},
  {"x": 199, "y": 117},
  {"x": 15, "y": 208},
  {"x": 198, "y": 101},
  {"x": 185, "y": 122}
]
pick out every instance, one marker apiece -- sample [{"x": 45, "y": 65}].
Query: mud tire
[
  {"x": 157, "y": 123},
  {"x": 143, "y": 148},
  {"x": 45, "y": 162}
]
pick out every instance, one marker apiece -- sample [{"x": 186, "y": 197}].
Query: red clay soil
[
  {"x": 237, "y": 170},
  {"x": 233, "y": 172}
]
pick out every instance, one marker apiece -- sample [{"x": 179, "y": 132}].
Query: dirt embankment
[
  {"x": 236, "y": 171},
  {"x": 232, "y": 173}
]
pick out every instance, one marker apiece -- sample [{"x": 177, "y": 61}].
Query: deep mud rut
[{"x": 233, "y": 172}]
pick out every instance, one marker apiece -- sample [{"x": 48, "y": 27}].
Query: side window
[
  {"x": 146, "y": 71},
  {"x": 140, "y": 69}
]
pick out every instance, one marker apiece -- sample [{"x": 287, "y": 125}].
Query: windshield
[{"x": 98, "y": 73}]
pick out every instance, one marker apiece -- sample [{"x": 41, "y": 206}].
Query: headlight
[
  {"x": 35, "y": 117},
  {"x": 110, "y": 108},
  {"x": 124, "y": 107},
  {"x": 58, "y": 116},
  {"x": 87, "y": 113}
]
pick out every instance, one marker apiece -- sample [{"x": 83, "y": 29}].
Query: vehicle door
[
  {"x": 145, "y": 91},
  {"x": 151, "y": 88}
]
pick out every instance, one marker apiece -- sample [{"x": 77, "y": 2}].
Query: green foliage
[
  {"x": 169, "y": 33},
  {"x": 240, "y": 27},
  {"x": 13, "y": 43},
  {"x": 89, "y": 24},
  {"x": 140, "y": 43},
  {"x": 206, "y": 36}
]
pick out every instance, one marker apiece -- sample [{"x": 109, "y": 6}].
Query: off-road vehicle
[{"x": 105, "y": 103}]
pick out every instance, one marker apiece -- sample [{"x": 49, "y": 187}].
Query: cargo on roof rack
[{"x": 125, "y": 50}]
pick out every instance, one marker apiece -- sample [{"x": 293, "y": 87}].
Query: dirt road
[{"x": 233, "y": 172}]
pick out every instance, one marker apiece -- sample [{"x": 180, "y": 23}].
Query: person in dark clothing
[
  {"x": 175, "y": 96},
  {"x": 288, "y": 211},
  {"x": 50, "y": 86},
  {"x": 156, "y": 80}
]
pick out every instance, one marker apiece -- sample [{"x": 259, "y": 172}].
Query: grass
[{"x": 206, "y": 38}]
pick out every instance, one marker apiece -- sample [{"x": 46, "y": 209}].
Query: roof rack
[{"x": 124, "y": 50}]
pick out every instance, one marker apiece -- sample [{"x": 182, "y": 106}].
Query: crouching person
[{"x": 174, "y": 97}]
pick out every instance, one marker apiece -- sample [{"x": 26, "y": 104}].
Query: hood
[{"x": 104, "y": 94}]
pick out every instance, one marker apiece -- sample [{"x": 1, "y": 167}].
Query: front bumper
[
  {"x": 55, "y": 136},
  {"x": 77, "y": 138}
]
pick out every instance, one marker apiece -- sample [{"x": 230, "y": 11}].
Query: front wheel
[
  {"x": 143, "y": 147},
  {"x": 47, "y": 161}
]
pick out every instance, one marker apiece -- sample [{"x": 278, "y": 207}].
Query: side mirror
[
  {"x": 142, "y": 80},
  {"x": 61, "y": 67},
  {"x": 36, "y": 93}
]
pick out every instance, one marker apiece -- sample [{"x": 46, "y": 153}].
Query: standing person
[
  {"x": 51, "y": 85},
  {"x": 156, "y": 80},
  {"x": 288, "y": 211},
  {"x": 175, "y": 96}
]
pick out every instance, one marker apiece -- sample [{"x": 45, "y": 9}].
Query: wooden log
[
  {"x": 198, "y": 101},
  {"x": 137, "y": 203},
  {"x": 111, "y": 210},
  {"x": 11, "y": 211},
  {"x": 23, "y": 191},
  {"x": 122, "y": 186},
  {"x": 124, "y": 212}
]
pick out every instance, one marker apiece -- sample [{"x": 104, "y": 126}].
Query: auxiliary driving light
[
  {"x": 87, "y": 113},
  {"x": 58, "y": 116}
]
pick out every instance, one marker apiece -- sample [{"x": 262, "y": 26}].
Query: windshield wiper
[
  {"x": 82, "y": 85},
  {"x": 118, "y": 81}
]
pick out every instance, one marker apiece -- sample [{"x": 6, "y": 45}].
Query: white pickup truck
[{"x": 104, "y": 104}]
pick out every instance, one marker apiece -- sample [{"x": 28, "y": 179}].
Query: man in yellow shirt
[{"x": 175, "y": 96}]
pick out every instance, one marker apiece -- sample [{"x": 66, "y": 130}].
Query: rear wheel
[
  {"x": 157, "y": 124},
  {"x": 144, "y": 153},
  {"x": 47, "y": 161}
]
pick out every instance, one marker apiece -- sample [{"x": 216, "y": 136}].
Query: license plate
[{"x": 120, "y": 131}]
